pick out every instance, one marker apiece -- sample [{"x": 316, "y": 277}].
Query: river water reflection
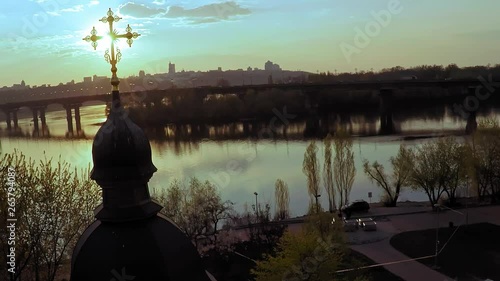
[{"x": 240, "y": 162}]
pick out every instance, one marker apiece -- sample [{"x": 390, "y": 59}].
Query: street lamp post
[
  {"x": 438, "y": 206},
  {"x": 256, "y": 204},
  {"x": 437, "y": 238}
]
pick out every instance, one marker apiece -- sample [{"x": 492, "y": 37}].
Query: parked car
[
  {"x": 349, "y": 225},
  {"x": 356, "y": 206},
  {"x": 360, "y": 221},
  {"x": 369, "y": 225}
]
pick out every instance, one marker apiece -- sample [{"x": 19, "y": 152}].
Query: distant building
[
  {"x": 99, "y": 78},
  {"x": 21, "y": 86},
  {"x": 87, "y": 79},
  {"x": 171, "y": 68},
  {"x": 142, "y": 74},
  {"x": 270, "y": 66},
  {"x": 219, "y": 69}
]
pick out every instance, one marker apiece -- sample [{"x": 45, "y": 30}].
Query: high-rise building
[
  {"x": 171, "y": 68},
  {"x": 270, "y": 66},
  {"x": 142, "y": 74}
]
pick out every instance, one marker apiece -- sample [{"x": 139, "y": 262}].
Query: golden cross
[{"x": 114, "y": 58}]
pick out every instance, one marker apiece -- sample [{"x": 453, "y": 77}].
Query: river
[{"x": 239, "y": 166}]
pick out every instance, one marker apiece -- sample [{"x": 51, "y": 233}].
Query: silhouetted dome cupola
[
  {"x": 130, "y": 239},
  {"x": 121, "y": 151}
]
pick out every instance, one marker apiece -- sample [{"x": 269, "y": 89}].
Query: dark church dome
[
  {"x": 153, "y": 249},
  {"x": 130, "y": 240},
  {"x": 121, "y": 150}
]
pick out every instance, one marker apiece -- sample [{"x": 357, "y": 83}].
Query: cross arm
[
  {"x": 129, "y": 35},
  {"x": 93, "y": 38}
]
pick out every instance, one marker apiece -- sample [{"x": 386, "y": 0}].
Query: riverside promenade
[
  {"x": 376, "y": 246},
  {"x": 408, "y": 216}
]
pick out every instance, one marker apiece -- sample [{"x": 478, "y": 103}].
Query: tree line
[
  {"x": 445, "y": 168},
  {"x": 338, "y": 172},
  {"x": 424, "y": 72}
]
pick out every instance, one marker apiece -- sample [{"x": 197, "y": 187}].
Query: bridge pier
[
  {"x": 69, "y": 119},
  {"x": 313, "y": 120},
  {"x": 8, "y": 120},
  {"x": 41, "y": 110},
  {"x": 11, "y": 118},
  {"x": 39, "y": 115},
  {"x": 14, "y": 117},
  {"x": 386, "y": 108},
  {"x": 471, "y": 125},
  {"x": 34, "y": 110},
  {"x": 77, "y": 120}
]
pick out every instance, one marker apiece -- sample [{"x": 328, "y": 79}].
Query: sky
[{"x": 41, "y": 40}]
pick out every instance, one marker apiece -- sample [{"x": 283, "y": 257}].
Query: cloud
[
  {"x": 202, "y": 21},
  {"x": 159, "y": 2},
  {"x": 215, "y": 11},
  {"x": 203, "y": 14},
  {"x": 140, "y": 11},
  {"x": 93, "y": 3},
  {"x": 74, "y": 9}
]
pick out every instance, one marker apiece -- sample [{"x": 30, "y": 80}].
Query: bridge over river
[{"x": 311, "y": 94}]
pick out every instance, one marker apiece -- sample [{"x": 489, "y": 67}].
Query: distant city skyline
[{"x": 41, "y": 39}]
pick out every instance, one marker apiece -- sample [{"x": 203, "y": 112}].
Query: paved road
[
  {"x": 391, "y": 221},
  {"x": 382, "y": 252}
]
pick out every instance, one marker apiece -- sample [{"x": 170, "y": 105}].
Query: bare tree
[
  {"x": 391, "y": 184},
  {"x": 54, "y": 204},
  {"x": 427, "y": 173},
  {"x": 485, "y": 160},
  {"x": 310, "y": 167},
  {"x": 282, "y": 200},
  {"x": 344, "y": 170},
  {"x": 328, "y": 174},
  {"x": 452, "y": 166},
  {"x": 197, "y": 209}
]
